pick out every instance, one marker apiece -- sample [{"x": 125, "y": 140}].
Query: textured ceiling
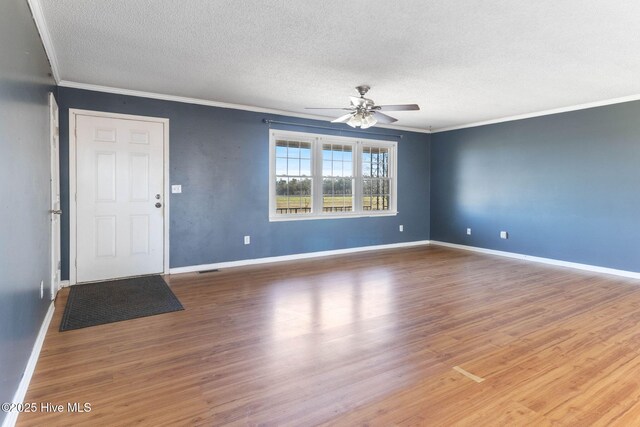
[{"x": 461, "y": 61}]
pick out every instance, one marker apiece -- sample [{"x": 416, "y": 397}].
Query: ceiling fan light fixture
[
  {"x": 368, "y": 121},
  {"x": 364, "y": 113},
  {"x": 355, "y": 120}
]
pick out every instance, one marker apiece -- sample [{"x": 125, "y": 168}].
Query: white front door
[
  {"x": 120, "y": 187},
  {"x": 54, "y": 133}
]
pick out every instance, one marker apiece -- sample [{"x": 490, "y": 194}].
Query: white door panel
[
  {"x": 55, "y": 196},
  {"x": 120, "y": 231}
]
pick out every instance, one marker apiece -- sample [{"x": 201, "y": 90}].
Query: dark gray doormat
[{"x": 116, "y": 300}]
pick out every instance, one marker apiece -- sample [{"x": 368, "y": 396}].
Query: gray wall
[
  {"x": 565, "y": 186},
  {"x": 220, "y": 157},
  {"x": 24, "y": 201}
]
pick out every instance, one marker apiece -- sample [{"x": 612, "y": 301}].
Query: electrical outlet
[
  {"x": 468, "y": 232},
  {"x": 401, "y": 228},
  {"x": 247, "y": 240},
  {"x": 41, "y": 289},
  {"x": 504, "y": 235},
  {"x": 176, "y": 189}
]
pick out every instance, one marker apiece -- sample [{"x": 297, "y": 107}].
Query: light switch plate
[
  {"x": 468, "y": 232},
  {"x": 176, "y": 189},
  {"x": 504, "y": 235}
]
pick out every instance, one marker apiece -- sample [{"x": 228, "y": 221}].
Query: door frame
[
  {"x": 73, "y": 170},
  {"x": 54, "y": 134}
]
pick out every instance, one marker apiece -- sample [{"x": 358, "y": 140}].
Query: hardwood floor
[{"x": 364, "y": 339}]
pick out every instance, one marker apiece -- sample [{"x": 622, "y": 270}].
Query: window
[
  {"x": 375, "y": 179},
  {"x": 337, "y": 178},
  {"x": 293, "y": 177},
  {"x": 321, "y": 176}
]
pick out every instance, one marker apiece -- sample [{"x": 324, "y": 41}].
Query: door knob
[
  {"x": 158, "y": 205},
  {"x": 55, "y": 211}
]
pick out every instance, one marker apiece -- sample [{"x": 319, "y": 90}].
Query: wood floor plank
[{"x": 361, "y": 339}]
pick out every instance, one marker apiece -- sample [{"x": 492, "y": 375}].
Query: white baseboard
[
  {"x": 64, "y": 284},
  {"x": 255, "y": 261},
  {"x": 550, "y": 261},
  {"x": 12, "y": 417}
]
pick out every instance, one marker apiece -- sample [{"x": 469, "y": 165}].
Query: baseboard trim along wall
[
  {"x": 255, "y": 261},
  {"x": 12, "y": 417},
  {"x": 550, "y": 261}
]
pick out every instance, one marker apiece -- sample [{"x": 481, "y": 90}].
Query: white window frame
[{"x": 317, "y": 140}]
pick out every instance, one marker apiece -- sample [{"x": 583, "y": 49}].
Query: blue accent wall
[
  {"x": 565, "y": 186},
  {"x": 220, "y": 157},
  {"x": 24, "y": 202}
]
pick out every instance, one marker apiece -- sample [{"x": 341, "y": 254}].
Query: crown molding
[
  {"x": 187, "y": 100},
  {"x": 175, "y": 98},
  {"x": 45, "y": 36},
  {"x": 542, "y": 113}
]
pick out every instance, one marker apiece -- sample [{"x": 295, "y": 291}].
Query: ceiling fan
[{"x": 364, "y": 113}]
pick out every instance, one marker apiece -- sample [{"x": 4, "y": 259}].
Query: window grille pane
[
  {"x": 338, "y": 187},
  {"x": 337, "y": 160},
  {"x": 326, "y": 168},
  {"x": 337, "y": 153},
  {"x": 293, "y": 167},
  {"x": 294, "y": 150},
  {"x": 366, "y": 154},
  {"x": 281, "y": 148},
  {"x": 281, "y": 166},
  {"x": 376, "y": 196},
  {"x": 366, "y": 170},
  {"x": 305, "y": 167},
  {"x": 281, "y": 187},
  {"x": 326, "y": 152},
  {"x": 385, "y": 187},
  {"x": 375, "y": 162},
  {"x": 337, "y": 194},
  {"x": 293, "y": 195},
  {"x": 305, "y": 150},
  {"x": 347, "y": 155}
]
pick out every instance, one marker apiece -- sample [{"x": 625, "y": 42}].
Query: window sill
[{"x": 303, "y": 217}]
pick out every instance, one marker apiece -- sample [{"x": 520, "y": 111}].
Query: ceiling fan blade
[
  {"x": 400, "y": 107},
  {"x": 357, "y": 102},
  {"x": 342, "y": 119},
  {"x": 383, "y": 118},
  {"x": 328, "y": 108}
]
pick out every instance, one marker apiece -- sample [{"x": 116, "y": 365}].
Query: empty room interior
[{"x": 415, "y": 213}]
